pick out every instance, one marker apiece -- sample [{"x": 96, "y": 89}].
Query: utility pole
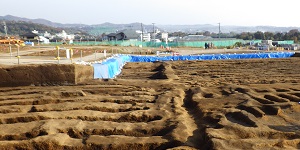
[
  {"x": 153, "y": 27},
  {"x": 142, "y": 33},
  {"x": 6, "y": 36},
  {"x": 219, "y": 29},
  {"x": 5, "y": 29},
  {"x": 153, "y": 33}
]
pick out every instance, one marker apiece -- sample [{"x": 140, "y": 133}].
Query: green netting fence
[
  {"x": 279, "y": 42},
  {"x": 286, "y": 42},
  {"x": 217, "y": 43}
]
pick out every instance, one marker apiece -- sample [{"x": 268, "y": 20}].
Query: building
[
  {"x": 30, "y": 37},
  {"x": 66, "y": 37},
  {"x": 123, "y": 35},
  {"x": 131, "y": 35}
]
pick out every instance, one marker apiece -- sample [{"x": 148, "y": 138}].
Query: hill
[
  {"x": 98, "y": 29},
  {"x": 18, "y": 25},
  {"x": 224, "y": 29},
  {"x": 39, "y": 21}
]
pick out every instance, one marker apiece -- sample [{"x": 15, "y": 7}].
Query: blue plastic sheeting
[
  {"x": 211, "y": 57},
  {"x": 28, "y": 43},
  {"x": 112, "y": 67}
]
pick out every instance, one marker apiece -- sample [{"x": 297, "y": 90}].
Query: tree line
[
  {"x": 259, "y": 35},
  {"x": 278, "y": 36},
  {"x": 21, "y": 27}
]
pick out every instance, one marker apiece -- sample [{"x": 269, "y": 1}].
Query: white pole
[
  {"x": 80, "y": 55},
  {"x": 18, "y": 54},
  {"x": 58, "y": 54},
  {"x": 10, "y": 51},
  {"x": 71, "y": 55}
]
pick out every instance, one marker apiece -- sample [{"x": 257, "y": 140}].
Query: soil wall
[{"x": 45, "y": 74}]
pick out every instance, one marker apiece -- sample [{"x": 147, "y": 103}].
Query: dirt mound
[{"x": 231, "y": 104}]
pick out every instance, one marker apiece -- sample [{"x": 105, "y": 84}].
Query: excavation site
[{"x": 216, "y": 104}]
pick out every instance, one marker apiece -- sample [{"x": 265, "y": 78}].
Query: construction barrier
[
  {"x": 218, "y": 43},
  {"x": 112, "y": 66}
]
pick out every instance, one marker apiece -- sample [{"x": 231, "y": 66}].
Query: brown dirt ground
[
  {"x": 5, "y": 48},
  {"x": 230, "y": 104},
  {"x": 86, "y": 51}
]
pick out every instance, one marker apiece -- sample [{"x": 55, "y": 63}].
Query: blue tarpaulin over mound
[{"x": 112, "y": 67}]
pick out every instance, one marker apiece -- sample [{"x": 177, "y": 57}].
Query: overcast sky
[{"x": 162, "y": 12}]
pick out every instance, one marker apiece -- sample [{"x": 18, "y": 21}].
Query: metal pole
[
  {"x": 57, "y": 54},
  {"x": 219, "y": 29},
  {"x": 153, "y": 33},
  {"x": 80, "y": 55},
  {"x": 153, "y": 27},
  {"x": 18, "y": 51},
  {"x": 142, "y": 33},
  {"x": 10, "y": 50},
  {"x": 95, "y": 55},
  {"x": 71, "y": 55},
  {"x": 18, "y": 54}
]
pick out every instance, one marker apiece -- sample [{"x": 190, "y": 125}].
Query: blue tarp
[
  {"x": 211, "y": 57},
  {"x": 112, "y": 67},
  {"x": 28, "y": 43}
]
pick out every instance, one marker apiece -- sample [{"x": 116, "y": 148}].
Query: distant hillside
[
  {"x": 40, "y": 21},
  {"x": 90, "y": 29},
  {"x": 22, "y": 27},
  {"x": 98, "y": 29},
  {"x": 224, "y": 29}
]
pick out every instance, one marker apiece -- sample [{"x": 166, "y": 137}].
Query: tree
[
  {"x": 206, "y": 33},
  {"x": 278, "y": 36},
  {"x": 259, "y": 35},
  {"x": 295, "y": 38},
  {"x": 245, "y": 36},
  {"x": 238, "y": 44},
  {"x": 269, "y": 36},
  {"x": 179, "y": 34}
]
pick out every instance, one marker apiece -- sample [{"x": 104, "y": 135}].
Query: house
[
  {"x": 109, "y": 37},
  {"x": 131, "y": 34},
  {"x": 32, "y": 37},
  {"x": 122, "y": 35}
]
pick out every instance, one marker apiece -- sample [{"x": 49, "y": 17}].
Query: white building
[
  {"x": 44, "y": 40},
  {"x": 48, "y": 35},
  {"x": 65, "y": 36}
]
